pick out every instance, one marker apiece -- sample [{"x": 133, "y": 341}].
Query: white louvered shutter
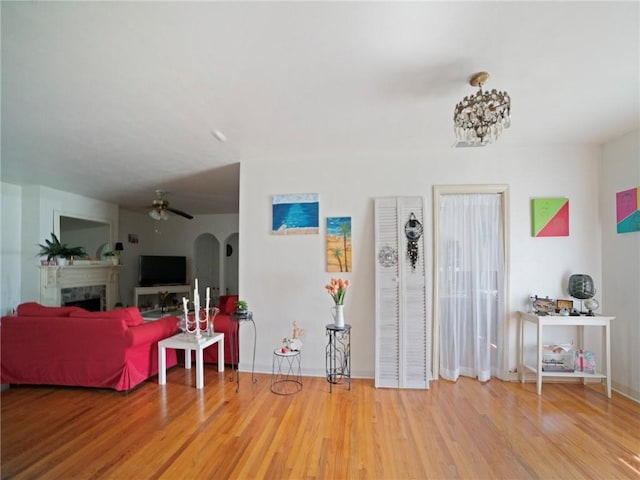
[
  {"x": 387, "y": 366},
  {"x": 403, "y": 327}
]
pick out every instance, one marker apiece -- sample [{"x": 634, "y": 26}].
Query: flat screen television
[{"x": 162, "y": 270}]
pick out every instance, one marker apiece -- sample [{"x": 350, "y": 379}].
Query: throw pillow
[
  {"x": 131, "y": 315},
  {"x": 34, "y": 309}
]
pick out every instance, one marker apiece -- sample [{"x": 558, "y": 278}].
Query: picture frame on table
[{"x": 562, "y": 304}]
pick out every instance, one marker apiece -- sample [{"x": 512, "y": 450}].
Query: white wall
[
  {"x": 620, "y": 170},
  {"x": 175, "y": 236},
  {"x": 33, "y": 210},
  {"x": 10, "y": 246},
  {"x": 283, "y": 277}
]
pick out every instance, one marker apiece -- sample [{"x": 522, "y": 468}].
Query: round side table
[{"x": 286, "y": 378}]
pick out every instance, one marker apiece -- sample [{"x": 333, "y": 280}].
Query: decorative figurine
[{"x": 294, "y": 343}]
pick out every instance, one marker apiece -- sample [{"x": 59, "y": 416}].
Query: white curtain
[{"x": 471, "y": 286}]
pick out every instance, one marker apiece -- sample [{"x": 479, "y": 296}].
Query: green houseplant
[
  {"x": 113, "y": 255},
  {"x": 242, "y": 308},
  {"x": 54, "y": 249}
]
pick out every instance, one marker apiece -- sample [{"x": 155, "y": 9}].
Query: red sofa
[{"x": 72, "y": 346}]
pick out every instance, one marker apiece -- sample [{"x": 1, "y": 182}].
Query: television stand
[{"x": 139, "y": 291}]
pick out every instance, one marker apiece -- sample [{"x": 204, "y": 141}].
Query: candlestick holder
[
  {"x": 202, "y": 326},
  {"x": 193, "y": 323}
]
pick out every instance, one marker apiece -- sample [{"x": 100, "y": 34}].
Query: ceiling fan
[{"x": 160, "y": 207}]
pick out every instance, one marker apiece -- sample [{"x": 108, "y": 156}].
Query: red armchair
[{"x": 222, "y": 323}]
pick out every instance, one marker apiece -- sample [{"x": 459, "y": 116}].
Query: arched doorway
[
  {"x": 231, "y": 264},
  {"x": 207, "y": 263}
]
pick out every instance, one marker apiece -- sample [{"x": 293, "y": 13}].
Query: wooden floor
[{"x": 455, "y": 430}]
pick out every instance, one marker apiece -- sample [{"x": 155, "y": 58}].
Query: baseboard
[{"x": 626, "y": 392}]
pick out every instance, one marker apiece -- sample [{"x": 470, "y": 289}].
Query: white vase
[
  {"x": 338, "y": 315},
  {"x": 62, "y": 262}
]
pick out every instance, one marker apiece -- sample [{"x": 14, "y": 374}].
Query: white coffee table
[{"x": 188, "y": 342}]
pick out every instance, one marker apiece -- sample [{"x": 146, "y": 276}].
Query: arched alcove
[
  {"x": 206, "y": 248},
  {"x": 231, "y": 264}
]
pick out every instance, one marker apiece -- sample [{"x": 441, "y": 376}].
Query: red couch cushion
[
  {"x": 131, "y": 315},
  {"x": 34, "y": 309}
]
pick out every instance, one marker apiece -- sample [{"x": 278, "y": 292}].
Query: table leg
[
  {"x": 162, "y": 365},
  {"x": 187, "y": 358},
  {"x": 521, "y": 366},
  {"x": 221, "y": 354},
  {"x": 583, "y": 380},
  {"x": 199, "y": 368},
  {"x": 539, "y": 361},
  {"x": 607, "y": 354}
]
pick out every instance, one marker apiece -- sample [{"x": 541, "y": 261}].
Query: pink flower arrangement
[{"x": 337, "y": 289}]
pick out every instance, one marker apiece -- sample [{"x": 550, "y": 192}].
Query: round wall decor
[{"x": 388, "y": 256}]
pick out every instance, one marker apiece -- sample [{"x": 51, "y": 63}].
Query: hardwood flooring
[{"x": 454, "y": 430}]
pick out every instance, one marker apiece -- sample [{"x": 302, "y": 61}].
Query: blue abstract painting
[{"x": 296, "y": 214}]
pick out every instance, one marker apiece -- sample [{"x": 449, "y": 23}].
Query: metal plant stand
[
  {"x": 338, "y": 355},
  {"x": 234, "y": 334}
]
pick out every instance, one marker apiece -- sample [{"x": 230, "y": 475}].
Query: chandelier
[{"x": 481, "y": 118}]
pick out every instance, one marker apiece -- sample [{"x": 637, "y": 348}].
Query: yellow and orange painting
[{"x": 339, "y": 253}]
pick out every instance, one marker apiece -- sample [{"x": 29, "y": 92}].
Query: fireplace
[
  {"x": 92, "y": 296},
  {"x": 91, "y": 304}
]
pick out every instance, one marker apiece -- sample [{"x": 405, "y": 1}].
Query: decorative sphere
[{"x": 591, "y": 304}]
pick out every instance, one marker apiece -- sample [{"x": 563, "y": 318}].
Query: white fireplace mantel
[{"x": 54, "y": 278}]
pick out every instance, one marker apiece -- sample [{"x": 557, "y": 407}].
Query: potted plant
[
  {"x": 113, "y": 255},
  {"x": 54, "y": 249},
  {"x": 242, "y": 308}
]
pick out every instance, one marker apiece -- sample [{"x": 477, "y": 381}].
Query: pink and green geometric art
[
  {"x": 628, "y": 211},
  {"x": 550, "y": 217}
]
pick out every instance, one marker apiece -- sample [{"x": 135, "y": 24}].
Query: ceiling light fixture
[
  {"x": 481, "y": 118},
  {"x": 159, "y": 214}
]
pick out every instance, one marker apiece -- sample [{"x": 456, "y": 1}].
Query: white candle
[
  {"x": 207, "y": 313},
  {"x": 184, "y": 303},
  {"x": 197, "y": 316}
]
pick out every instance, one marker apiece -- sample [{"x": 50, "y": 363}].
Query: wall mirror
[{"x": 94, "y": 235}]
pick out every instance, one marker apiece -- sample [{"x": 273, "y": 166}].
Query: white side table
[
  {"x": 580, "y": 321},
  {"x": 188, "y": 342}
]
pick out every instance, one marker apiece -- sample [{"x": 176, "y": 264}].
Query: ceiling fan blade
[{"x": 179, "y": 212}]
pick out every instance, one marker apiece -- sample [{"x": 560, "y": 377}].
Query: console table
[
  {"x": 138, "y": 291},
  {"x": 234, "y": 335},
  {"x": 338, "y": 355},
  {"x": 542, "y": 321}
]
